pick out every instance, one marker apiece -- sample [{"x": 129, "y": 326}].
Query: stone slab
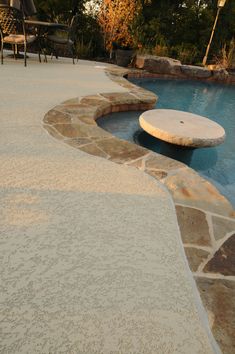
[
  {"x": 189, "y": 220},
  {"x": 222, "y": 227},
  {"x": 219, "y": 298},
  {"x": 195, "y": 257},
  {"x": 188, "y": 188},
  {"x": 182, "y": 128},
  {"x": 223, "y": 261}
]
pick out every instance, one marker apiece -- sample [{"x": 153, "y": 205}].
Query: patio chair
[
  {"x": 64, "y": 37},
  {"x": 12, "y": 30}
]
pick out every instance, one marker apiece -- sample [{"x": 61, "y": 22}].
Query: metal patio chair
[
  {"x": 12, "y": 30},
  {"x": 64, "y": 37}
]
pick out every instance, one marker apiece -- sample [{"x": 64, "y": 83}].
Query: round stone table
[{"x": 182, "y": 128}]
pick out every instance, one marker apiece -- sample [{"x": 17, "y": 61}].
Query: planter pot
[{"x": 124, "y": 56}]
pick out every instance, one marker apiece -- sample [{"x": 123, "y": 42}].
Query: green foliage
[
  {"x": 88, "y": 38},
  {"x": 186, "y": 53},
  {"x": 147, "y": 34},
  {"x": 176, "y": 28},
  {"x": 84, "y": 50},
  {"x": 184, "y": 27},
  {"x": 227, "y": 56},
  {"x": 58, "y": 10}
]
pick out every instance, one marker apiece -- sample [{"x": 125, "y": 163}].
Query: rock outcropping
[
  {"x": 195, "y": 71},
  {"x": 158, "y": 65},
  {"x": 168, "y": 66}
]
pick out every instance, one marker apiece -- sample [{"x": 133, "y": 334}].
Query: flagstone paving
[{"x": 206, "y": 219}]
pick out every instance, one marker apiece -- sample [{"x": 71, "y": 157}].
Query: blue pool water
[{"x": 214, "y": 101}]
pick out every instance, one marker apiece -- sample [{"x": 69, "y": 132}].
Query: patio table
[
  {"x": 44, "y": 24},
  {"x": 41, "y": 29}
]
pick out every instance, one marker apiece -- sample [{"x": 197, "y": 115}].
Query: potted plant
[{"x": 123, "y": 54}]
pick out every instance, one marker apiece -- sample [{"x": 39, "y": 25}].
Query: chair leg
[
  {"x": 75, "y": 52},
  {"x": 2, "y": 52},
  {"x": 39, "y": 49},
  {"x": 42, "y": 46},
  {"x": 54, "y": 51},
  {"x": 45, "y": 55},
  {"x": 72, "y": 51},
  {"x": 25, "y": 56},
  {"x": 39, "y": 55}
]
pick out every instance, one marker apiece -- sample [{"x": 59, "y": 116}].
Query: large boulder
[
  {"x": 195, "y": 71},
  {"x": 220, "y": 74},
  {"x": 158, "y": 65}
]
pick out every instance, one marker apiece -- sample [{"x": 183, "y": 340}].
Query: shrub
[
  {"x": 226, "y": 57},
  {"x": 186, "y": 53},
  {"x": 116, "y": 18}
]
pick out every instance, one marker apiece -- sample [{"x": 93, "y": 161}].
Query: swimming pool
[{"x": 215, "y": 101}]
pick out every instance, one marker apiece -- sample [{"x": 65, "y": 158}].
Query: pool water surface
[{"x": 215, "y": 101}]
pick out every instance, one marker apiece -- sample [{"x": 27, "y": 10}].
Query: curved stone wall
[{"x": 206, "y": 219}]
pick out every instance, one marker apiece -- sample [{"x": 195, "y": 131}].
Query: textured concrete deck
[{"x": 91, "y": 255}]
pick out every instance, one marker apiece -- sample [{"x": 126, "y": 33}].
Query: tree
[
  {"x": 187, "y": 24},
  {"x": 87, "y": 37},
  {"x": 59, "y": 10},
  {"x": 116, "y": 18},
  {"x": 181, "y": 27}
]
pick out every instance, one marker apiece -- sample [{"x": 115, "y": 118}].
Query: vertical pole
[
  {"x": 112, "y": 31},
  {"x": 212, "y": 34}
]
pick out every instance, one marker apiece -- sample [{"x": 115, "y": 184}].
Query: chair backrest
[
  {"x": 73, "y": 27},
  {"x": 71, "y": 31},
  {"x": 11, "y": 20}
]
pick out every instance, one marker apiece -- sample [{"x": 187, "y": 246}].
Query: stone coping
[{"x": 206, "y": 218}]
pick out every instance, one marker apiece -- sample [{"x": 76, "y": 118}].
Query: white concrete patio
[{"x": 91, "y": 256}]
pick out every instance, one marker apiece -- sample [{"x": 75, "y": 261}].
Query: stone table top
[{"x": 182, "y": 128}]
